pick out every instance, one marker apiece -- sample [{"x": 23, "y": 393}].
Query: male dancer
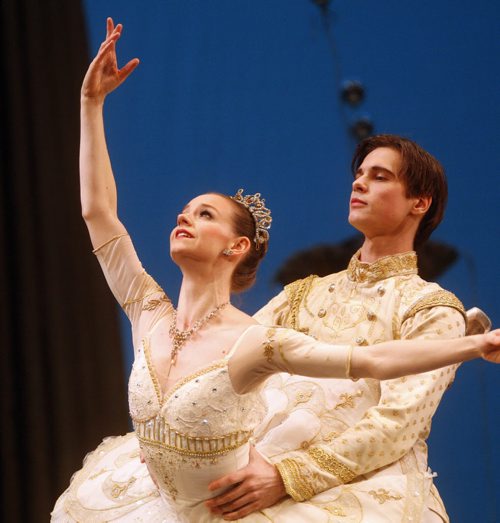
[{"x": 357, "y": 449}]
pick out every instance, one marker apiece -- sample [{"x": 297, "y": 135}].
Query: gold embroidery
[
  {"x": 268, "y": 348},
  {"x": 141, "y": 298},
  {"x": 348, "y": 400},
  {"x": 152, "y": 373},
  {"x": 295, "y": 292},
  {"x": 295, "y": 483},
  {"x": 240, "y": 439},
  {"x": 302, "y": 397},
  {"x": 440, "y": 298},
  {"x": 336, "y": 510},
  {"x": 328, "y": 438},
  {"x": 268, "y": 351},
  {"x": 73, "y": 503},
  {"x": 170, "y": 486},
  {"x": 331, "y": 464},
  {"x": 151, "y": 305},
  {"x": 205, "y": 370},
  {"x": 382, "y": 495},
  {"x": 119, "y": 489},
  {"x": 397, "y": 265}
]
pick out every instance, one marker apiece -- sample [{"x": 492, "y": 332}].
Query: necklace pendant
[{"x": 179, "y": 337}]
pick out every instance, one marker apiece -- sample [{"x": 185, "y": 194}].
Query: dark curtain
[{"x": 62, "y": 383}]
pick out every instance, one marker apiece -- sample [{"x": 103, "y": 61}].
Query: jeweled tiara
[{"x": 261, "y": 214}]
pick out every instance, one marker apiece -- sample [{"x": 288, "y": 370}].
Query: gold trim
[
  {"x": 141, "y": 298},
  {"x": 189, "y": 377},
  {"x": 164, "y": 397},
  {"x": 295, "y": 483},
  {"x": 382, "y": 495},
  {"x": 195, "y": 440},
  {"x": 439, "y": 298},
  {"x": 151, "y": 369},
  {"x": 331, "y": 464},
  {"x": 386, "y": 267},
  {"x": 151, "y": 305},
  {"x": 415, "y": 497},
  {"x": 109, "y": 241},
  {"x": 295, "y": 293}
]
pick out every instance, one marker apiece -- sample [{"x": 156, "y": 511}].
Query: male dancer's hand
[{"x": 254, "y": 487}]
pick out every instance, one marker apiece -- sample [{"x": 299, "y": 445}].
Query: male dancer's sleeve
[{"x": 387, "y": 431}]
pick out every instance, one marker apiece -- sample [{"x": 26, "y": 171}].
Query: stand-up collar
[{"x": 396, "y": 265}]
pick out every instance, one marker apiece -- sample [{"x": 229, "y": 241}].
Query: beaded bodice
[{"x": 198, "y": 421}]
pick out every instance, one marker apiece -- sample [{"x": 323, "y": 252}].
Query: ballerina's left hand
[{"x": 491, "y": 348}]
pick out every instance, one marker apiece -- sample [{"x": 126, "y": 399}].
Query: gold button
[
  {"x": 321, "y": 313},
  {"x": 380, "y": 290},
  {"x": 360, "y": 340},
  {"x": 371, "y": 316},
  {"x": 331, "y": 288}
]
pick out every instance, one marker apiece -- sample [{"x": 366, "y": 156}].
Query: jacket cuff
[{"x": 295, "y": 482}]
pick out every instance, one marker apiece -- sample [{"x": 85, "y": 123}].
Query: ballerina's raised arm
[{"x": 97, "y": 183}]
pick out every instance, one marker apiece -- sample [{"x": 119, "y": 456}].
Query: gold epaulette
[
  {"x": 440, "y": 298},
  {"x": 295, "y": 293}
]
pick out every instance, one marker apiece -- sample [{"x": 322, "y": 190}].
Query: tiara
[{"x": 260, "y": 213}]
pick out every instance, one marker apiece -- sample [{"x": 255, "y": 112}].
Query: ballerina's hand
[
  {"x": 103, "y": 75},
  {"x": 491, "y": 350}
]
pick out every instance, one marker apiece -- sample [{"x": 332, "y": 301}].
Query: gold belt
[{"x": 157, "y": 432}]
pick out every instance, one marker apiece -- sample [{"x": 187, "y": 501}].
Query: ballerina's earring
[{"x": 227, "y": 252}]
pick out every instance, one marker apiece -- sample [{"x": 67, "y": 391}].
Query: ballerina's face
[{"x": 205, "y": 227}]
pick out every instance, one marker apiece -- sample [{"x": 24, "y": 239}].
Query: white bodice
[{"x": 201, "y": 423}]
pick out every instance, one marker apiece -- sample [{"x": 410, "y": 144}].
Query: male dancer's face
[{"x": 379, "y": 205}]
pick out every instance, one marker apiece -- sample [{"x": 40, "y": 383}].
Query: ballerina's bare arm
[
  {"x": 97, "y": 184},
  {"x": 285, "y": 350}
]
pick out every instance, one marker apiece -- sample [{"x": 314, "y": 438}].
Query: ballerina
[{"x": 194, "y": 386}]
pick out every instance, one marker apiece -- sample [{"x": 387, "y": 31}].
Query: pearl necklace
[{"x": 180, "y": 337}]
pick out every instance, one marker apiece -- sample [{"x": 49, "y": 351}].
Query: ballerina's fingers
[
  {"x": 127, "y": 69},
  {"x": 109, "y": 26}
]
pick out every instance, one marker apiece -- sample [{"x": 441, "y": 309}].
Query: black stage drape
[{"x": 61, "y": 375}]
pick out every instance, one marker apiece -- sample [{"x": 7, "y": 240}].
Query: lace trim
[
  {"x": 440, "y": 298},
  {"x": 158, "y": 432},
  {"x": 385, "y": 267},
  {"x": 414, "y": 499},
  {"x": 331, "y": 464},
  {"x": 295, "y": 293},
  {"x": 295, "y": 483}
]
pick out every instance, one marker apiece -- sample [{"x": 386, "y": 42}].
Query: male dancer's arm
[{"x": 387, "y": 431}]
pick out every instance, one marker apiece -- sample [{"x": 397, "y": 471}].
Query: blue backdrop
[{"x": 246, "y": 93}]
